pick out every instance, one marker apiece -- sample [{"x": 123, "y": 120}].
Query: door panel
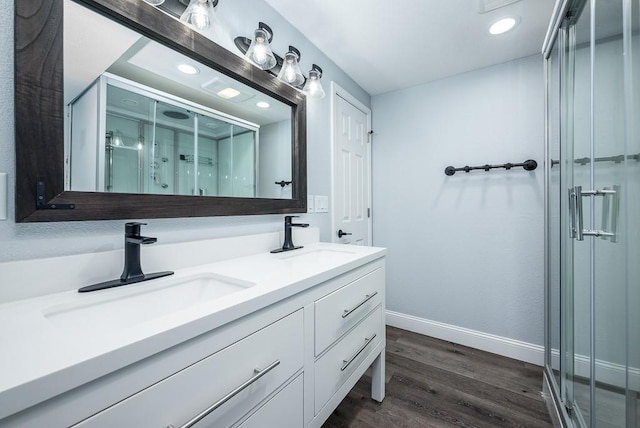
[{"x": 351, "y": 187}]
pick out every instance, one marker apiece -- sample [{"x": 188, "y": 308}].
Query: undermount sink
[
  {"x": 316, "y": 255},
  {"x": 130, "y": 305}
]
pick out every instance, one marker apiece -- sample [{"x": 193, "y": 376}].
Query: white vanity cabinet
[
  {"x": 338, "y": 312},
  {"x": 285, "y": 359},
  {"x": 221, "y": 388},
  {"x": 285, "y": 410},
  {"x": 349, "y": 332}
]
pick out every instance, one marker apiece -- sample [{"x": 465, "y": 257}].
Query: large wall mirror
[{"x": 124, "y": 112}]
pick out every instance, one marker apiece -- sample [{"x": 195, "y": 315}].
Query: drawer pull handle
[
  {"x": 345, "y": 363},
  {"x": 368, "y": 297},
  {"x": 258, "y": 374}
]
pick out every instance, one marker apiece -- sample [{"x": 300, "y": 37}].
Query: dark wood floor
[{"x": 432, "y": 383}]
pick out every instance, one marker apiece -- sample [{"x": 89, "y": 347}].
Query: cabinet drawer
[
  {"x": 284, "y": 410},
  {"x": 335, "y": 367},
  {"x": 336, "y": 313},
  {"x": 180, "y": 397}
]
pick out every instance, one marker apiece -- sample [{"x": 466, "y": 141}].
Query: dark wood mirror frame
[{"x": 40, "y": 194}]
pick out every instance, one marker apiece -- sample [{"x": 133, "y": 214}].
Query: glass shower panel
[
  {"x": 244, "y": 162},
  {"x": 207, "y": 169},
  {"x": 208, "y": 155},
  {"x": 175, "y": 140},
  {"x": 577, "y": 271},
  {"x": 237, "y": 157},
  {"x": 553, "y": 214},
  {"x": 608, "y": 170},
  {"x": 127, "y": 132},
  {"x": 162, "y": 165},
  {"x": 632, "y": 208},
  {"x": 225, "y": 161},
  {"x": 600, "y": 271},
  {"x": 123, "y": 172}
]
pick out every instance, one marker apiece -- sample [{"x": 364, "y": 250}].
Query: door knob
[{"x": 341, "y": 233}]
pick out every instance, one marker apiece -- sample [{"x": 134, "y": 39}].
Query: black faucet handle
[
  {"x": 288, "y": 219},
  {"x": 133, "y": 228}
]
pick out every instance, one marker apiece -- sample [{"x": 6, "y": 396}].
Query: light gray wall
[
  {"x": 465, "y": 250},
  {"x": 236, "y": 17}
]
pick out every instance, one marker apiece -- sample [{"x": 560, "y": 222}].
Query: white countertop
[{"x": 41, "y": 359}]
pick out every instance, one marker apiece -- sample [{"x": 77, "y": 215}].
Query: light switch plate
[
  {"x": 321, "y": 204},
  {"x": 310, "y": 203}
]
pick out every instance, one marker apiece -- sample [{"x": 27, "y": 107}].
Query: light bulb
[
  {"x": 198, "y": 14},
  {"x": 155, "y": 2},
  {"x": 260, "y": 52},
  {"x": 313, "y": 88},
  {"x": 290, "y": 72}
]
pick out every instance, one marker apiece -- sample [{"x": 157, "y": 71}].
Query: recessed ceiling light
[
  {"x": 262, "y": 104},
  {"x": 129, "y": 102},
  {"x": 503, "y": 25},
  {"x": 228, "y": 93},
  {"x": 188, "y": 69}
]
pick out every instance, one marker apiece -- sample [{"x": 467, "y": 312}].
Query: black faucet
[
  {"x": 288, "y": 241},
  {"x": 132, "y": 272},
  {"x": 132, "y": 242}
]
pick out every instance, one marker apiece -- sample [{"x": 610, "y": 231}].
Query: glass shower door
[
  {"x": 608, "y": 168},
  {"x": 575, "y": 266},
  {"x": 595, "y": 171},
  {"x": 596, "y": 378}
]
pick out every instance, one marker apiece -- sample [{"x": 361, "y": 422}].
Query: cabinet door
[{"x": 282, "y": 411}]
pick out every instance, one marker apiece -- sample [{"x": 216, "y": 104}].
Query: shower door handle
[
  {"x": 572, "y": 213},
  {"x": 580, "y": 231}
]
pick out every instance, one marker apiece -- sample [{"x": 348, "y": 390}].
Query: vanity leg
[{"x": 377, "y": 377}]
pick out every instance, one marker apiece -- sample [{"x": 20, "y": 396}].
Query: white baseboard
[
  {"x": 511, "y": 348},
  {"x": 606, "y": 372}
]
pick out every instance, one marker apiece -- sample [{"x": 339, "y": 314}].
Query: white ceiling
[{"x": 389, "y": 45}]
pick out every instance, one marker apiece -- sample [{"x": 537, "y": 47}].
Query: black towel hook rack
[{"x": 528, "y": 165}]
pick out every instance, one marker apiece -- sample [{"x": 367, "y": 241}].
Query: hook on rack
[{"x": 528, "y": 165}]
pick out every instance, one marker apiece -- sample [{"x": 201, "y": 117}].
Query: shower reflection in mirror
[{"x": 158, "y": 144}]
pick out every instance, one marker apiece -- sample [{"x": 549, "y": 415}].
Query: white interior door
[{"x": 351, "y": 213}]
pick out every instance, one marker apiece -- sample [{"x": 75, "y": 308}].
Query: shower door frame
[
  {"x": 553, "y": 390},
  {"x": 561, "y": 38}
]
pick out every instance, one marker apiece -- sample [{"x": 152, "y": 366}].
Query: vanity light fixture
[
  {"x": 286, "y": 70},
  {"x": 259, "y": 51},
  {"x": 290, "y": 72},
  {"x": 313, "y": 87},
  {"x": 263, "y": 104},
  {"x": 188, "y": 69},
  {"x": 502, "y": 26},
  {"x": 199, "y": 14}
]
